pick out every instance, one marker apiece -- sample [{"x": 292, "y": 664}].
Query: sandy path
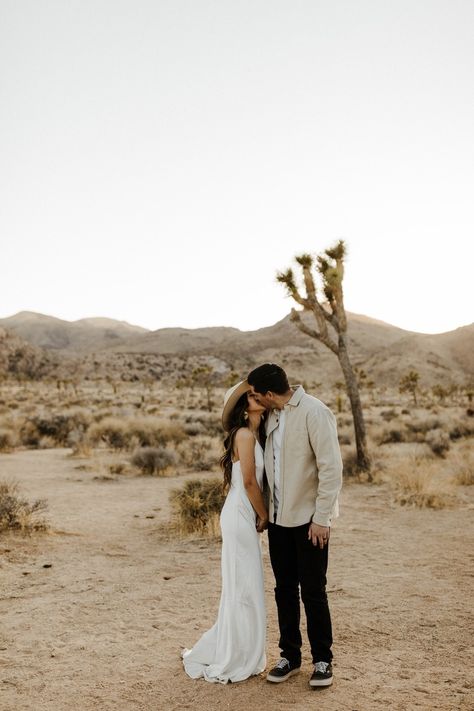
[{"x": 102, "y": 628}]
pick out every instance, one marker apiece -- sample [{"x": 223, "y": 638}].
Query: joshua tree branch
[{"x": 296, "y": 318}]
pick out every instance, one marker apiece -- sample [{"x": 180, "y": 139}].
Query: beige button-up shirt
[{"x": 310, "y": 463}]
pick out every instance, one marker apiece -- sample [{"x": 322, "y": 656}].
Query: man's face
[{"x": 266, "y": 400}]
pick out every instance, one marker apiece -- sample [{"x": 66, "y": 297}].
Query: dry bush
[
  {"x": 111, "y": 430},
  {"x": 438, "y": 441},
  {"x": 388, "y": 415},
  {"x": 8, "y": 440},
  {"x": 119, "y": 468},
  {"x": 81, "y": 447},
  {"x": 421, "y": 426},
  {"x": 211, "y": 423},
  {"x": 418, "y": 483},
  {"x": 193, "y": 429},
  {"x": 18, "y": 514},
  {"x": 461, "y": 430},
  {"x": 462, "y": 467},
  {"x": 154, "y": 460},
  {"x": 57, "y": 428},
  {"x": 391, "y": 435},
  {"x": 197, "y": 507},
  {"x": 129, "y": 432},
  {"x": 200, "y": 453}
]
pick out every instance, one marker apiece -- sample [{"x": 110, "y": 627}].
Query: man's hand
[
  {"x": 261, "y": 524},
  {"x": 319, "y": 535}
]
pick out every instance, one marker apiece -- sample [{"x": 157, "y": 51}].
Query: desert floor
[{"x": 102, "y": 628}]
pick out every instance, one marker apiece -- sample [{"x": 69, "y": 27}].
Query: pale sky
[{"x": 160, "y": 160}]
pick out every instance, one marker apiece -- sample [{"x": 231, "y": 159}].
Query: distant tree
[
  {"x": 231, "y": 379},
  {"x": 330, "y": 266},
  {"x": 203, "y": 376},
  {"x": 409, "y": 384},
  {"x": 440, "y": 392}
]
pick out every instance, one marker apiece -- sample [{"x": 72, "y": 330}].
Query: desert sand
[{"x": 102, "y": 628}]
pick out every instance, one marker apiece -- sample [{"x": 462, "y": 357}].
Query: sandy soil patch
[{"x": 102, "y": 628}]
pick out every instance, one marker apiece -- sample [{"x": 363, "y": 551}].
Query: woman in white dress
[{"x": 234, "y": 648}]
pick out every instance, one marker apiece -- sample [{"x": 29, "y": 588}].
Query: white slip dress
[{"x": 234, "y": 647}]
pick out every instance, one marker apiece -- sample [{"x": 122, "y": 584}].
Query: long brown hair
[{"x": 236, "y": 421}]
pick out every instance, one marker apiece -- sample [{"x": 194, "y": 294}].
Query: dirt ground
[{"x": 102, "y": 628}]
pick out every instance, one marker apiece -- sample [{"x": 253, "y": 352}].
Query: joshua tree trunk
[
  {"x": 363, "y": 459},
  {"x": 331, "y": 268}
]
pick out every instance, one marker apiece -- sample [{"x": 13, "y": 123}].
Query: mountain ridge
[{"x": 384, "y": 351}]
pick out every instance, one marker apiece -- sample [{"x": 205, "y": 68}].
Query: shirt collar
[{"x": 294, "y": 400}]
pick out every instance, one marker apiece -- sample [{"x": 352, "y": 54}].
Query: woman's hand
[{"x": 261, "y": 524}]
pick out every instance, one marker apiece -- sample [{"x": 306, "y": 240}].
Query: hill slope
[{"x": 385, "y": 352}]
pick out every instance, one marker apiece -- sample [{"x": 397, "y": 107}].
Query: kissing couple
[{"x": 283, "y": 472}]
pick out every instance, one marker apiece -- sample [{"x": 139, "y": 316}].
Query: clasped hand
[{"x": 261, "y": 524}]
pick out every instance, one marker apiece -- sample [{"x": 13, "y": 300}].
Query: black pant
[{"x": 297, "y": 562}]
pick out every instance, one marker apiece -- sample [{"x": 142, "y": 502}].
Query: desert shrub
[
  {"x": 194, "y": 428},
  {"x": 56, "y": 427},
  {"x": 111, "y": 430},
  {"x": 465, "y": 476},
  {"x": 418, "y": 486},
  {"x": 391, "y": 435},
  {"x": 18, "y": 514},
  {"x": 388, "y": 415},
  {"x": 351, "y": 468},
  {"x": 197, "y": 506},
  {"x": 438, "y": 442},
  {"x": 7, "y": 440},
  {"x": 212, "y": 425},
  {"x": 154, "y": 460},
  {"x": 199, "y": 453},
  {"x": 118, "y": 468},
  {"x": 461, "y": 430},
  {"x": 343, "y": 438},
  {"x": 46, "y": 443},
  {"x": 424, "y": 425},
  {"x": 462, "y": 466},
  {"x": 128, "y": 432}
]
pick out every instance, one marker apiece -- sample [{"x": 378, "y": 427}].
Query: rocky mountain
[
  {"x": 82, "y": 336},
  {"x": 104, "y": 347}
]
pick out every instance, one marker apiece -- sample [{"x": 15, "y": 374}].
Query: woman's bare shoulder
[{"x": 243, "y": 435}]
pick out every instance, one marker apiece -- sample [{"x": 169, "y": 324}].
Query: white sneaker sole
[
  {"x": 278, "y": 679},
  {"x": 320, "y": 682}
]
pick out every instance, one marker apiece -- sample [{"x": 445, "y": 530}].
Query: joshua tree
[
  {"x": 203, "y": 376},
  {"x": 331, "y": 313},
  {"x": 409, "y": 384}
]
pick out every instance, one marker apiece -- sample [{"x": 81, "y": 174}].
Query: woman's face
[{"x": 253, "y": 404}]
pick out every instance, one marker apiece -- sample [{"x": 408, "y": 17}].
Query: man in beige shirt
[{"x": 304, "y": 472}]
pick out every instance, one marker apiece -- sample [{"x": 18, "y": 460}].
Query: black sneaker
[
  {"x": 322, "y": 675},
  {"x": 282, "y": 671}
]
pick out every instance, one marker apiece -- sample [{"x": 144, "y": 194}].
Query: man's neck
[{"x": 284, "y": 399}]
